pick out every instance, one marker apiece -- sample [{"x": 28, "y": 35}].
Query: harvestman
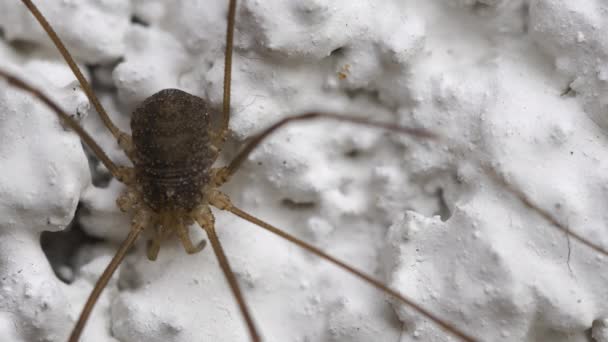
[{"x": 173, "y": 183}]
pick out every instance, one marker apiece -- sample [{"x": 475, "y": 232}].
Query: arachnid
[{"x": 165, "y": 203}]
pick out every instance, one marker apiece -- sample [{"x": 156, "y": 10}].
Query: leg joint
[{"x": 220, "y": 200}]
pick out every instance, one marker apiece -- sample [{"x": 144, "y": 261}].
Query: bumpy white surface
[{"x": 490, "y": 75}]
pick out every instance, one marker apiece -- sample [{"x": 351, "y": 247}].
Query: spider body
[{"x": 173, "y": 150}]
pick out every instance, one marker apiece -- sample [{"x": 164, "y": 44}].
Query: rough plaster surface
[{"x": 518, "y": 83}]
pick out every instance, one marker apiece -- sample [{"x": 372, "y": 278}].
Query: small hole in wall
[
  {"x": 293, "y": 205},
  {"x": 61, "y": 247},
  {"x": 139, "y": 21},
  {"x": 353, "y": 153},
  {"x": 99, "y": 179},
  {"x": 480, "y": 7},
  {"x": 371, "y": 94},
  {"x": 101, "y": 76},
  {"x": 337, "y": 52},
  {"x": 23, "y": 47},
  {"x": 444, "y": 211}
]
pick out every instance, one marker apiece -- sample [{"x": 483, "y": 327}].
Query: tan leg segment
[
  {"x": 182, "y": 232},
  {"x": 205, "y": 219},
  {"x": 128, "y": 200},
  {"x": 140, "y": 221},
  {"x": 153, "y": 246},
  {"x": 221, "y": 201}
]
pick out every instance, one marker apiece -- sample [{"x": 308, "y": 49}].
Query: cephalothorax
[{"x": 176, "y": 138}]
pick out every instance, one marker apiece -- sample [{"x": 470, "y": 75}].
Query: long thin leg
[
  {"x": 118, "y": 172},
  {"x": 140, "y": 221},
  {"x": 227, "y": 74},
  {"x": 222, "y": 202},
  {"x": 206, "y": 220},
  {"x": 527, "y": 201},
  {"x": 124, "y": 140},
  {"x": 225, "y": 173}
]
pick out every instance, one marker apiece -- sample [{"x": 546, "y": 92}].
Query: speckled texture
[
  {"x": 173, "y": 149},
  {"x": 517, "y": 83}
]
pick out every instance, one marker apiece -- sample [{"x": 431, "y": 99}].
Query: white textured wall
[{"x": 488, "y": 74}]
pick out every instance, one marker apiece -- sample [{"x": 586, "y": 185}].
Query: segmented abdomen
[{"x": 173, "y": 149}]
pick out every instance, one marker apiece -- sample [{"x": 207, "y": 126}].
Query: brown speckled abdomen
[{"x": 173, "y": 149}]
